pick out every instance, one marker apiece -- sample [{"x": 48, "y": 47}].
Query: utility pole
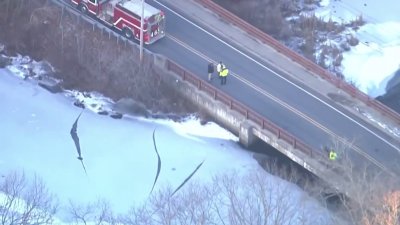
[{"x": 141, "y": 33}]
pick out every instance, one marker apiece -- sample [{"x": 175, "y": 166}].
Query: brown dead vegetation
[
  {"x": 293, "y": 23},
  {"x": 87, "y": 57}
]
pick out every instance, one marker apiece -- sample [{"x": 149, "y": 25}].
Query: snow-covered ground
[
  {"x": 118, "y": 154},
  {"x": 374, "y": 61}
]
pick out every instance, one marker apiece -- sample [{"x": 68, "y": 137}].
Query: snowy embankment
[
  {"x": 118, "y": 154},
  {"x": 375, "y": 60}
]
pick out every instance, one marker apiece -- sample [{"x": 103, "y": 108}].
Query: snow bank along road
[{"x": 289, "y": 104}]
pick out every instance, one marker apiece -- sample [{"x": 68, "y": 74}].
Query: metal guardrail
[
  {"x": 307, "y": 64},
  {"x": 242, "y": 109}
]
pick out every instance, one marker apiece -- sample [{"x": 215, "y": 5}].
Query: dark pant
[{"x": 223, "y": 80}]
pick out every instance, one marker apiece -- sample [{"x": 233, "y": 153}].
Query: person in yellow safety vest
[
  {"x": 223, "y": 74},
  {"x": 332, "y": 155}
]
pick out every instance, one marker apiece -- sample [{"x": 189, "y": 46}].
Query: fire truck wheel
[
  {"x": 127, "y": 33},
  {"x": 83, "y": 9}
]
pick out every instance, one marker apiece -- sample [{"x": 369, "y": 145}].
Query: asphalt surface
[{"x": 311, "y": 119}]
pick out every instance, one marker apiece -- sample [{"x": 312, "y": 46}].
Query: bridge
[{"x": 273, "y": 94}]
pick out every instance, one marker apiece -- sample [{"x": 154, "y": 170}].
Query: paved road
[{"x": 289, "y": 104}]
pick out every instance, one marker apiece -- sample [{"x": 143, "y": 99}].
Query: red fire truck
[{"x": 125, "y": 16}]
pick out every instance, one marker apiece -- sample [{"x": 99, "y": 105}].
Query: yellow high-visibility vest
[
  {"x": 224, "y": 72},
  {"x": 332, "y": 155}
]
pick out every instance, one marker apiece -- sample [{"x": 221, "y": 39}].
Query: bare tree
[
  {"x": 230, "y": 199},
  {"x": 389, "y": 213},
  {"x": 160, "y": 209},
  {"x": 98, "y": 213},
  {"x": 369, "y": 187},
  {"x": 257, "y": 198},
  {"x": 195, "y": 205},
  {"x": 25, "y": 202}
]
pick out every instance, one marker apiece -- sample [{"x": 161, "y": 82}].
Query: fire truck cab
[{"x": 125, "y": 15}]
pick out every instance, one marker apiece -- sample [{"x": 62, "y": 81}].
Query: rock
[
  {"x": 116, "y": 115},
  {"x": 394, "y": 81},
  {"x": 392, "y": 96},
  {"x": 102, "y": 112},
  {"x": 52, "y": 88},
  {"x": 131, "y": 107},
  {"x": 79, "y": 104},
  {"x": 4, "y": 61},
  {"x": 50, "y": 84},
  {"x": 44, "y": 68}
]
